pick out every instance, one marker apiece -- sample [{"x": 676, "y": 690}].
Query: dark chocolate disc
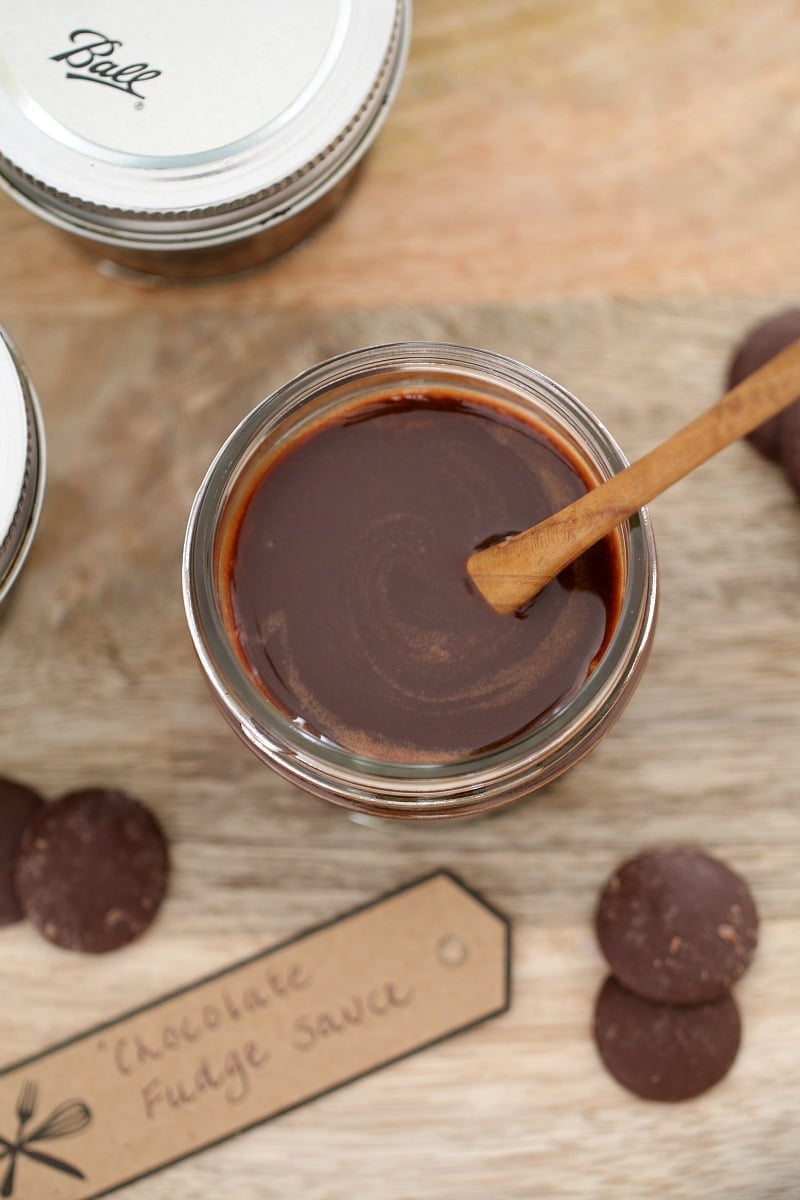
[
  {"x": 677, "y": 925},
  {"x": 17, "y": 805},
  {"x": 665, "y": 1051},
  {"x": 92, "y": 870},
  {"x": 761, "y": 344}
]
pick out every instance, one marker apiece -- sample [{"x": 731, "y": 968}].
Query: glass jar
[
  {"x": 416, "y": 791},
  {"x": 22, "y": 464},
  {"x": 211, "y": 139}
]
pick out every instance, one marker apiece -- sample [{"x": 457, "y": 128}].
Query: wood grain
[{"x": 542, "y": 160}]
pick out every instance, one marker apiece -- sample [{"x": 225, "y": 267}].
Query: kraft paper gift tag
[{"x": 235, "y": 1049}]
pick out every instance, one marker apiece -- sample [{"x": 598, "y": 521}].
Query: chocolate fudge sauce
[{"x": 346, "y": 592}]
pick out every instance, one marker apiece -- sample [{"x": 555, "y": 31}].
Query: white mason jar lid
[
  {"x": 21, "y": 464},
  {"x": 164, "y": 123}
]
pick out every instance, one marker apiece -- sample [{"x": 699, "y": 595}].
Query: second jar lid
[{"x": 21, "y": 464}]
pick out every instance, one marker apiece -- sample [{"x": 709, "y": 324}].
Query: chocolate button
[
  {"x": 92, "y": 870},
  {"x": 664, "y": 1051},
  {"x": 677, "y": 926},
  {"x": 17, "y": 805},
  {"x": 761, "y": 344}
]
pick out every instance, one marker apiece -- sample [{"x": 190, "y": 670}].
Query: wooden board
[{"x": 542, "y": 159}]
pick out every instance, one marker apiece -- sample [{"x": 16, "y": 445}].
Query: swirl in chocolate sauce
[{"x": 349, "y": 598}]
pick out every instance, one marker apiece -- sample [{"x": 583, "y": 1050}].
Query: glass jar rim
[{"x": 374, "y": 784}]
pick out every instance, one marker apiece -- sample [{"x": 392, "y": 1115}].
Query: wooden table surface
[{"x": 610, "y": 192}]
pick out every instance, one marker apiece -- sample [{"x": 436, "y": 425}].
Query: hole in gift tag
[{"x": 452, "y": 950}]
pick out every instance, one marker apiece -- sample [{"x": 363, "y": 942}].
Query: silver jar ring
[{"x": 193, "y": 146}]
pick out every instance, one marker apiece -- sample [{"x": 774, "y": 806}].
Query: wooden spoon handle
[{"x": 510, "y": 573}]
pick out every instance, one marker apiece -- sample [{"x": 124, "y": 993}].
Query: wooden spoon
[{"x": 510, "y": 573}]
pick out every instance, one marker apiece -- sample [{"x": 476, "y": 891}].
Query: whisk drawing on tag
[{"x": 69, "y": 1118}]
